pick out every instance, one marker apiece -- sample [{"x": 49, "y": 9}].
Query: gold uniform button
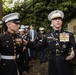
[
  {"x": 7, "y": 45},
  {"x": 14, "y": 50},
  {"x": 14, "y": 43},
  {"x": 57, "y": 50},
  {"x": 14, "y": 47},
  {"x": 56, "y": 33},
  {"x": 13, "y": 40},
  {"x": 4, "y": 64},
  {"x": 12, "y": 37},
  {"x": 56, "y": 39},
  {"x": 15, "y": 54}
]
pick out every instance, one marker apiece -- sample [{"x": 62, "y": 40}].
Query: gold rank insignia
[{"x": 64, "y": 37}]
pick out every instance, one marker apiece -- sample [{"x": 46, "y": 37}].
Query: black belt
[{"x": 57, "y": 53}]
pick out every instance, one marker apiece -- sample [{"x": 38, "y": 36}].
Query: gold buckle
[{"x": 57, "y": 52}]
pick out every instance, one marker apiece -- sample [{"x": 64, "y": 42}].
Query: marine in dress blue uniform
[
  {"x": 61, "y": 44},
  {"x": 11, "y": 46},
  {"x": 41, "y": 43},
  {"x": 25, "y": 56}
]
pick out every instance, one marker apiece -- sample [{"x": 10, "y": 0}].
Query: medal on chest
[
  {"x": 64, "y": 37},
  {"x": 18, "y": 40}
]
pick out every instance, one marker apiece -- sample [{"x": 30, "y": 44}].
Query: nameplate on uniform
[
  {"x": 64, "y": 37},
  {"x": 49, "y": 37}
]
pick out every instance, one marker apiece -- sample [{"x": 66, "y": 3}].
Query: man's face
[
  {"x": 57, "y": 22},
  {"x": 13, "y": 26},
  {"x": 31, "y": 27},
  {"x": 41, "y": 31},
  {"x": 22, "y": 33},
  {"x": 0, "y": 26},
  {"x": 26, "y": 29}
]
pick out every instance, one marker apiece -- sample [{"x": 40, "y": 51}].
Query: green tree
[
  {"x": 36, "y": 11},
  {"x": 1, "y": 10}
]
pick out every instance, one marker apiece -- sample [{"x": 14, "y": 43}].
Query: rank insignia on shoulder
[{"x": 64, "y": 37}]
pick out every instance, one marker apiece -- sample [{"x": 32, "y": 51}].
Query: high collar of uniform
[
  {"x": 57, "y": 31},
  {"x": 12, "y": 34}
]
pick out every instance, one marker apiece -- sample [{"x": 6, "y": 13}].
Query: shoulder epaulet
[
  {"x": 2, "y": 34},
  {"x": 70, "y": 33},
  {"x": 67, "y": 31}
]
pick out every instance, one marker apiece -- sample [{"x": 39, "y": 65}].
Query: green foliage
[{"x": 36, "y": 11}]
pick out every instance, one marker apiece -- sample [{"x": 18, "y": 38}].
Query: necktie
[{"x": 32, "y": 34}]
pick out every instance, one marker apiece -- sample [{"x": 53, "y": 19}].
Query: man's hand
[
  {"x": 71, "y": 56},
  {"x": 25, "y": 42},
  {"x": 32, "y": 40}
]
